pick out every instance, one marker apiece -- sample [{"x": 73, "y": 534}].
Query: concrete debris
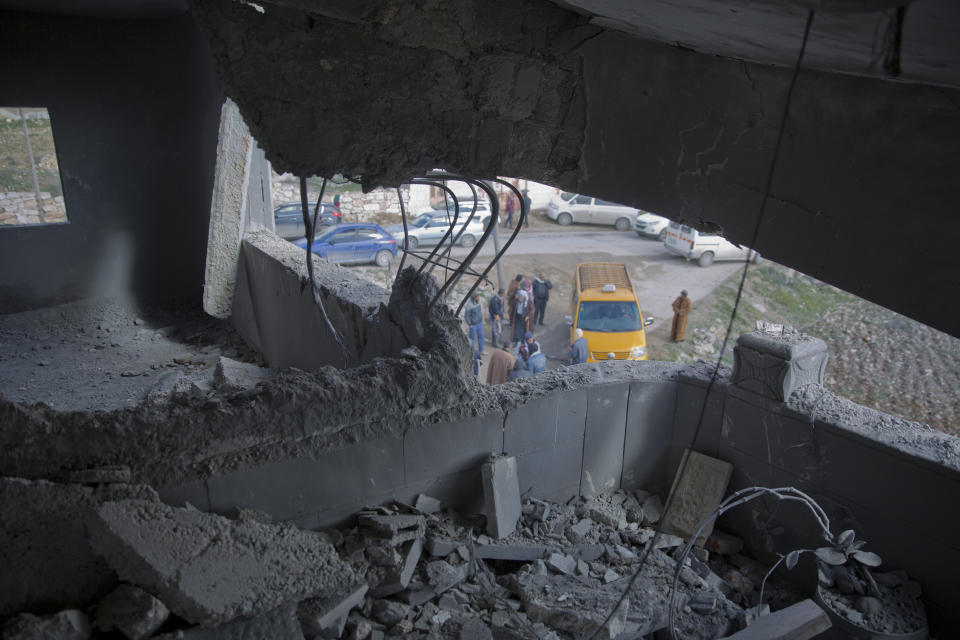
[
  {"x": 231, "y": 375},
  {"x": 579, "y": 531},
  {"x": 131, "y": 611},
  {"x": 562, "y": 563},
  {"x": 697, "y": 493},
  {"x": 101, "y": 475},
  {"x": 800, "y": 621},
  {"x": 390, "y": 612},
  {"x": 501, "y": 495},
  {"x": 517, "y": 552},
  {"x": 43, "y": 543},
  {"x": 253, "y": 515},
  {"x": 397, "y": 528},
  {"x": 327, "y": 617},
  {"x": 652, "y": 509},
  {"x": 397, "y": 576},
  {"x": 723, "y": 542},
  {"x": 426, "y": 504},
  {"x": 208, "y": 569},
  {"x": 278, "y": 624},
  {"x": 69, "y": 624}
]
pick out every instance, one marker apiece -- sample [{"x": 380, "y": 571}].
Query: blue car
[{"x": 348, "y": 243}]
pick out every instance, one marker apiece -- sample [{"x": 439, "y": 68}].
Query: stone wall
[
  {"x": 21, "y": 207},
  {"x": 378, "y": 205}
]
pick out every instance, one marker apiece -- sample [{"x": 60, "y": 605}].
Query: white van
[{"x": 703, "y": 247}]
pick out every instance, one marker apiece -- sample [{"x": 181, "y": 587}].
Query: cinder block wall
[
  {"x": 871, "y": 472},
  {"x": 569, "y": 443}
]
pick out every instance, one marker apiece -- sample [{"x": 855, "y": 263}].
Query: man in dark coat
[
  {"x": 541, "y": 293},
  {"x": 495, "y": 308}
]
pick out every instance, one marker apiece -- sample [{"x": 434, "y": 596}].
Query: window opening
[{"x": 31, "y": 192}]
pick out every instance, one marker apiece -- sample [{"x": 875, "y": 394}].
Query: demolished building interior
[{"x": 186, "y": 448}]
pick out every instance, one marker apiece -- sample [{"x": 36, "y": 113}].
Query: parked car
[
  {"x": 429, "y": 228},
  {"x": 288, "y": 218},
  {"x": 466, "y": 206},
  {"x": 651, "y": 225},
  {"x": 705, "y": 248},
  {"x": 573, "y": 207},
  {"x": 352, "y": 243}
]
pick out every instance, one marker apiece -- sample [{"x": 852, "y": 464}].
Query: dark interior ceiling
[{"x": 770, "y": 31}]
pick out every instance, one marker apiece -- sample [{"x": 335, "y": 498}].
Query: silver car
[
  {"x": 574, "y": 207},
  {"x": 428, "y": 229}
]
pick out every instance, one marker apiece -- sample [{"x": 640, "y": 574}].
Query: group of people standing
[{"x": 518, "y": 310}]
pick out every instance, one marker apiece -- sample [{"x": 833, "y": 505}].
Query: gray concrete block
[
  {"x": 279, "y": 624},
  {"x": 773, "y": 366},
  {"x": 208, "y": 569},
  {"x": 231, "y": 375},
  {"x": 131, "y": 611},
  {"x": 696, "y": 494},
  {"x": 546, "y": 470},
  {"x": 531, "y": 426},
  {"x": 309, "y": 484},
  {"x": 397, "y": 579},
  {"x": 44, "y": 552},
  {"x": 603, "y": 438},
  {"x": 646, "y": 448},
  {"x": 441, "y": 449},
  {"x": 501, "y": 495},
  {"x": 571, "y": 415}
]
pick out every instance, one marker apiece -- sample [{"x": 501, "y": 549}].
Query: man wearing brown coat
[
  {"x": 501, "y": 363},
  {"x": 681, "y": 309}
]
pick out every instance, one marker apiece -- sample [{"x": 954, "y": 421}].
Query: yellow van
[{"x": 604, "y": 305}]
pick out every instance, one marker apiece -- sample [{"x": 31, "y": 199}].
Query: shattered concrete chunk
[
  {"x": 652, "y": 509},
  {"x": 390, "y": 612},
  {"x": 231, "y": 375},
  {"x": 208, "y": 569},
  {"x": 44, "y": 550},
  {"x": 253, "y": 515},
  {"x": 562, "y": 563},
  {"x": 327, "y": 617},
  {"x": 278, "y": 624},
  {"x": 426, "y": 504},
  {"x": 399, "y": 576},
  {"x": 518, "y": 552},
  {"x": 397, "y": 528},
  {"x": 579, "y": 531},
  {"x": 609, "y": 514},
  {"x": 131, "y": 611},
  {"x": 567, "y": 604},
  {"x": 442, "y": 575},
  {"x": 697, "y": 493},
  {"x": 501, "y": 495},
  {"x": 69, "y": 624},
  {"x": 440, "y": 546}
]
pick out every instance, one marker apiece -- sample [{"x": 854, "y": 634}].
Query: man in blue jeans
[
  {"x": 473, "y": 315},
  {"x": 495, "y": 307}
]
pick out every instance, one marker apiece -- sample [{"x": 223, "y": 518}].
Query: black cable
[{"x": 733, "y": 316}]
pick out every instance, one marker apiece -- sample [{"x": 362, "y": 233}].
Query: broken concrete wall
[
  {"x": 889, "y": 479},
  {"x": 535, "y": 91},
  {"x": 134, "y": 106}
]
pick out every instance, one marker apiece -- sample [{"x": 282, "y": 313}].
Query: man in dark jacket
[
  {"x": 495, "y": 308},
  {"x": 473, "y": 315},
  {"x": 541, "y": 293}
]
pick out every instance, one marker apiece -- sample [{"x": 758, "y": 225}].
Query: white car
[
  {"x": 428, "y": 229},
  {"x": 705, "y": 248},
  {"x": 651, "y": 225},
  {"x": 573, "y": 207}
]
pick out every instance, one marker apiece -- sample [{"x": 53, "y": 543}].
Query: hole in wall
[{"x": 31, "y": 192}]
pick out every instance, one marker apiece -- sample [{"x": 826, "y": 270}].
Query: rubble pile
[{"x": 545, "y": 570}]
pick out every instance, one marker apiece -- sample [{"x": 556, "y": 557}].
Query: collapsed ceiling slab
[{"x": 389, "y": 89}]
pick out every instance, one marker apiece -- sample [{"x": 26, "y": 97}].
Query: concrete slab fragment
[
  {"x": 231, "y": 375},
  {"x": 398, "y": 579},
  {"x": 650, "y": 412},
  {"x": 327, "y": 617},
  {"x": 800, "y": 621},
  {"x": 208, "y": 569},
  {"x": 518, "y": 552},
  {"x": 696, "y": 494},
  {"x": 501, "y": 494},
  {"x": 69, "y": 624}
]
